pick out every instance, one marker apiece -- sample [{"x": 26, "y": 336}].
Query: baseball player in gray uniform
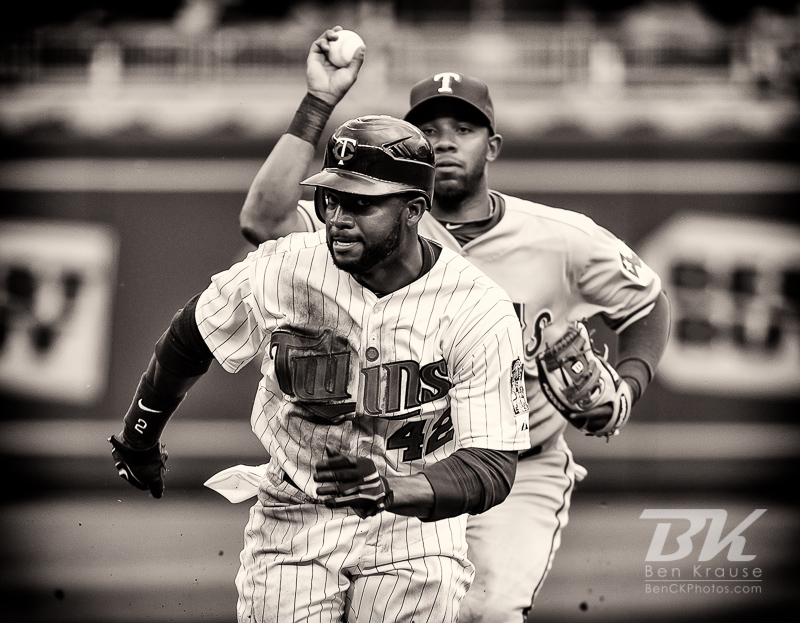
[
  {"x": 559, "y": 268},
  {"x": 392, "y": 401}
]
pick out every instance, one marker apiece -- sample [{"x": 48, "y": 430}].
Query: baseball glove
[
  {"x": 353, "y": 482},
  {"x": 144, "y": 469},
  {"x": 582, "y": 385}
]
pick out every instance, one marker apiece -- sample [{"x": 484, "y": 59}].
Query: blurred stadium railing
[{"x": 652, "y": 54}]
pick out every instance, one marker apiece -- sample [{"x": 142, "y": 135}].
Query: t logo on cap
[
  {"x": 446, "y": 77},
  {"x": 448, "y": 89}
]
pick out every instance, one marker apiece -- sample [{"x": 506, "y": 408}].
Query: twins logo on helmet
[{"x": 344, "y": 149}]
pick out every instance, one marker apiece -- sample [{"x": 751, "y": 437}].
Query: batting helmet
[{"x": 375, "y": 155}]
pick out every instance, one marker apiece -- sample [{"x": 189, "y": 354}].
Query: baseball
[{"x": 343, "y": 49}]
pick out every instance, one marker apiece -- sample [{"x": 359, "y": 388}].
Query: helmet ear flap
[{"x": 319, "y": 202}]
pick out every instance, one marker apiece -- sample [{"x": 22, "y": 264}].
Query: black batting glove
[
  {"x": 144, "y": 469},
  {"x": 353, "y": 482}
]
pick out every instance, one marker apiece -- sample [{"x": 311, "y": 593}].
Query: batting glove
[
  {"x": 353, "y": 482},
  {"x": 144, "y": 469}
]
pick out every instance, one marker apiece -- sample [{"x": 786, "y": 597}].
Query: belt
[
  {"x": 549, "y": 444},
  {"x": 288, "y": 480},
  {"x": 530, "y": 452}
]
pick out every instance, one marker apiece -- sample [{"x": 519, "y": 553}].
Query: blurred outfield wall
[{"x": 106, "y": 249}]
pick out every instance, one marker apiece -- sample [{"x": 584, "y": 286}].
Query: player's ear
[
  {"x": 494, "y": 147},
  {"x": 416, "y": 207}
]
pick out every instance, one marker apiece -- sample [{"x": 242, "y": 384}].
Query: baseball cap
[{"x": 456, "y": 87}]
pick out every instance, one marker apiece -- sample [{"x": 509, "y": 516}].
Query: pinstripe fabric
[
  {"x": 404, "y": 379},
  {"x": 304, "y": 562},
  {"x": 557, "y": 267},
  {"x": 511, "y": 564}
]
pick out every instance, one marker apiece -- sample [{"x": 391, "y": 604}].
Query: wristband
[
  {"x": 310, "y": 119},
  {"x": 636, "y": 373},
  {"x": 147, "y": 416},
  {"x": 388, "y": 500}
]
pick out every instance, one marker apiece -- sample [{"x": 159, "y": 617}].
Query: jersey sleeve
[
  {"x": 230, "y": 321},
  {"x": 488, "y": 401},
  {"x": 615, "y": 280}
]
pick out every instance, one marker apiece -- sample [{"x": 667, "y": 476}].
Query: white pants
[
  {"x": 305, "y": 562},
  {"x": 512, "y": 545}
]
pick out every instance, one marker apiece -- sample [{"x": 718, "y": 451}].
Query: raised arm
[{"x": 270, "y": 209}]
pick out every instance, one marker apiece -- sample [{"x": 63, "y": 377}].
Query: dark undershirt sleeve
[
  {"x": 641, "y": 346},
  {"x": 471, "y": 480},
  {"x": 181, "y": 357},
  {"x": 182, "y": 350}
]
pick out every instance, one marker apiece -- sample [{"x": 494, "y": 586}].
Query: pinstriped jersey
[
  {"x": 557, "y": 266},
  {"x": 405, "y": 379}
]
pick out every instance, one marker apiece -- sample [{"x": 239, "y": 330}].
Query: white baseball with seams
[{"x": 344, "y": 48}]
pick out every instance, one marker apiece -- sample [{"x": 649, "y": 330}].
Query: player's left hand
[
  {"x": 583, "y": 386},
  {"x": 605, "y": 420},
  {"x": 353, "y": 482},
  {"x": 144, "y": 469}
]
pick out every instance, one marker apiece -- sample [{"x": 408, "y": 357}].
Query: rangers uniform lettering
[
  {"x": 600, "y": 275},
  {"x": 445, "y": 78},
  {"x": 533, "y": 342}
]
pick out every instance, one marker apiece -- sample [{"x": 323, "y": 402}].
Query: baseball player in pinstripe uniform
[
  {"x": 558, "y": 267},
  {"x": 392, "y": 400}
]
